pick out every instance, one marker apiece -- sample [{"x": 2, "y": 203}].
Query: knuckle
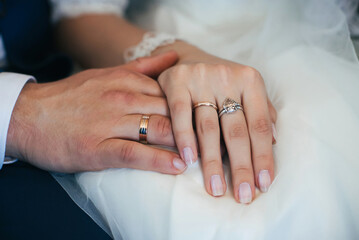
[
  {"x": 263, "y": 158},
  {"x": 238, "y": 131},
  {"x": 262, "y": 126},
  {"x": 200, "y": 69},
  {"x": 223, "y": 69},
  {"x": 252, "y": 75},
  {"x": 241, "y": 170},
  {"x": 208, "y": 126},
  {"x": 212, "y": 164},
  {"x": 163, "y": 127},
  {"x": 179, "y": 70},
  {"x": 122, "y": 74},
  {"x": 127, "y": 153},
  {"x": 164, "y": 79},
  {"x": 250, "y": 72},
  {"x": 127, "y": 98},
  {"x": 224, "y": 74}
]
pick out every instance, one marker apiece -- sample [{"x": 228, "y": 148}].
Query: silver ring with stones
[{"x": 230, "y": 106}]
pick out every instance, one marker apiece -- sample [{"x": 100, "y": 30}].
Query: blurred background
[{"x": 351, "y": 10}]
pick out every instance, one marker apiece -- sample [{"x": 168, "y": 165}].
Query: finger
[
  {"x": 159, "y": 129},
  {"x": 143, "y": 84},
  {"x": 134, "y": 103},
  {"x": 260, "y": 130},
  {"x": 236, "y": 137},
  {"x": 208, "y": 133},
  {"x": 117, "y": 153},
  {"x": 273, "y": 115},
  {"x": 153, "y": 66},
  {"x": 180, "y": 105},
  {"x": 125, "y": 78}
]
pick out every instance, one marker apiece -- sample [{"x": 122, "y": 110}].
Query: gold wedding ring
[
  {"x": 143, "y": 129},
  {"x": 205, "y": 104}
]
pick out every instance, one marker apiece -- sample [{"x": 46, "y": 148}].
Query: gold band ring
[
  {"x": 205, "y": 104},
  {"x": 143, "y": 128}
]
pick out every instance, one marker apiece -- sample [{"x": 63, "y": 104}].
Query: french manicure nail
[
  {"x": 217, "y": 185},
  {"x": 274, "y": 131},
  {"x": 245, "y": 193},
  {"x": 188, "y": 155},
  {"x": 179, "y": 164},
  {"x": 264, "y": 180}
]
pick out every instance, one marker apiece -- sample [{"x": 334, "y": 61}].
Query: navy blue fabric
[
  {"x": 34, "y": 206},
  {"x": 27, "y": 35}
]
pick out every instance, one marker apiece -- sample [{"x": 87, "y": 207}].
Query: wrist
[
  {"x": 185, "y": 51},
  {"x": 19, "y": 131}
]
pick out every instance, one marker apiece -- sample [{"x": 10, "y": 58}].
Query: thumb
[{"x": 153, "y": 66}]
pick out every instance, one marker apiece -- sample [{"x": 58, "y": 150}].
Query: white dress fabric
[{"x": 304, "y": 52}]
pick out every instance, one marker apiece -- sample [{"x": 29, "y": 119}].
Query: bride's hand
[{"x": 201, "y": 78}]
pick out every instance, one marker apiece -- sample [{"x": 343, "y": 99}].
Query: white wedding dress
[{"x": 304, "y": 52}]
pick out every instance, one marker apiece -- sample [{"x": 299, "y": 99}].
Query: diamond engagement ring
[{"x": 230, "y": 106}]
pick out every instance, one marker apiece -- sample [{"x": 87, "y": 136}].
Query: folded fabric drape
[{"x": 304, "y": 52}]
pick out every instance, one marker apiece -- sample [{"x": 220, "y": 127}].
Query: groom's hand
[{"x": 90, "y": 121}]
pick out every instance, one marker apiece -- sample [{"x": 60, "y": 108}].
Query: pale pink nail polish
[
  {"x": 245, "y": 193},
  {"x": 264, "y": 180},
  {"x": 188, "y": 155},
  {"x": 274, "y": 131},
  {"x": 179, "y": 164},
  {"x": 217, "y": 185}
]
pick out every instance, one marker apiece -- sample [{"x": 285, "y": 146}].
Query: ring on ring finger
[
  {"x": 205, "y": 104},
  {"x": 143, "y": 129},
  {"x": 230, "y": 106}
]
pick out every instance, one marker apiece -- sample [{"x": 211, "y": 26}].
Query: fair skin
[
  {"x": 100, "y": 40},
  {"x": 89, "y": 121}
]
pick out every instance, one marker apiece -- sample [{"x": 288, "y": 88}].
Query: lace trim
[{"x": 149, "y": 43}]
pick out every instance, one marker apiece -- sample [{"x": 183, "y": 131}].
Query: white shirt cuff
[
  {"x": 75, "y": 8},
  {"x": 11, "y": 85}
]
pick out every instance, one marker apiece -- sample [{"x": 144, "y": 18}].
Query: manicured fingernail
[
  {"x": 264, "y": 180},
  {"x": 217, "y": 185},
  {"x": 179, "y": 164},
  {"x": 245, "y": 193},
  {"x": 275, "y": 134},
  {"x": 188, "y": 155}
]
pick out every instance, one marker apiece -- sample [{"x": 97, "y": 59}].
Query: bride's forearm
[{"x": 97, "y": 40}]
